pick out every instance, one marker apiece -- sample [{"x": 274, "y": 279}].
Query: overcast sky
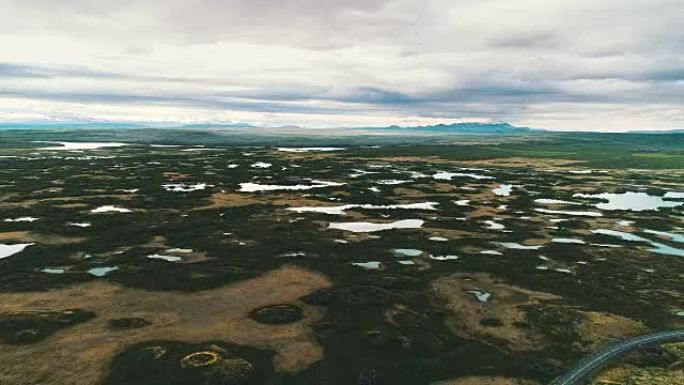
[{"x": 608, "y": 65}]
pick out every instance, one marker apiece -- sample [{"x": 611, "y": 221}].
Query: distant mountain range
[
  {"x": 215, "y": 125},
  {"x": 464, "y": 128},
  {"x": 674, "y": 131},
  {"x": 468, "y": 128}
]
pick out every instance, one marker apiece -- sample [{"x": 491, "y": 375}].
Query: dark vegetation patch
[{"x": 31, "y": 327}]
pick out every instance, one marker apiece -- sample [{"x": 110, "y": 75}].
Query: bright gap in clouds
[{"x": 609, "y": 65}]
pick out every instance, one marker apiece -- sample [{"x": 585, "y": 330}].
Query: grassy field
[{"x": 641, "y": 151}]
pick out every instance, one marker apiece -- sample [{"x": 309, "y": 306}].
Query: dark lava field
[{"x": 126, "y": 264}]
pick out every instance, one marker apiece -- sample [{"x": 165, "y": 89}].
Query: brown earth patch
[
  {"x": 22, "y": 204},
  {"x": 453, "y": 234},
  {"x": 80, "y": 354},
  {"x": 156, "y": 241},
  {"x": 71, "y": 206},
  {"x": 506, "y": 305},
  {"x": 51, "y": 190},
  {"x": 629, "y": 375},
  {"x": 95, "y": 190},
  {"x": 94, "y": 176},
  {"x": 486, "y": 380},
  {"x": 535, "y": 242},
  {"x": 408, "y": 193},
  {"x": 230, "y": 200},
  {"x": 409, "y": 159},
  {"x": 63, "y": 201},
  {"x": 442, "y": 187},
  {"x": 14, "y": 235},
  {"x": 340, "y": 193},
  {"x": 576, "y": 187},
  {"x": 522, "y": 162},
  {"x": 603, "y": 223},
  {"x": 113, "y": 196},
  {"x": 48, "y": 239},
  {"x": 352, "y": 237},
  {"x": 597, "y": 328},
  {"x": 160, "y": 246},
  {"x": 173, "y": 176},
  {"x": 485, "y": 195},
  {"x": 195, "y": 256},
  {"x": 480, "y": 211},
  {"x": 222, "y": 199}
]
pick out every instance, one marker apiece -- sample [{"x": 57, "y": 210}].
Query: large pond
[
  {"x": 369, "y": 227},
  {"x": 633, "y": 201},
  {"x": 9, "y": 250},
  {"x": 657, "y": 247}
]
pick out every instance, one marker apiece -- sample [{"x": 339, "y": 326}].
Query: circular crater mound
[
  {"x": 153, "y": 351},
  {"x": 128, "y": 323},
  {"x": 26, "y": 336},
  {"x": 277, "y": 314},
  {"x": 365, "y": 295},
  {"x": 404, "y": 317},
  {"x": 198, "y": 359},
  {"x": 33, "y": 326},
  {"x": 179, "y": 363},
  {"x": 216, "y": 365}
]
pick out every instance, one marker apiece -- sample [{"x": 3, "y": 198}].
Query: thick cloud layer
[{"x": 583, "y": 64}]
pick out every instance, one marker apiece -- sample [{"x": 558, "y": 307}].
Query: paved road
[{"x": 594, "y": 362}]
